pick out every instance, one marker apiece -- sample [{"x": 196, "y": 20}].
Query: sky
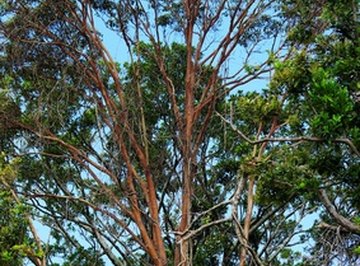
[{"x": 119, "y": 52}]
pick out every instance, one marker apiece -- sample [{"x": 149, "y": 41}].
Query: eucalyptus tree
[{"x": 132, "y": 158}]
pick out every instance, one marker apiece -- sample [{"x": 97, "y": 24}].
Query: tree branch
[
  {"x": 341, "y": 220},
  {"x": 293, "y": 139}
]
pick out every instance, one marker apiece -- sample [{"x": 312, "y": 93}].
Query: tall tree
[{"x": 132, "y": 158}]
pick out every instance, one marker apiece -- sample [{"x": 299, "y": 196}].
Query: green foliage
[
  {"x": 84, "y": 257},
  {"x": 14, "y": 242},
  {"x": 320, "y": 89},
  {"x": 357, "y": 250},
  {"x": 13, "y": 228},
  {"x": 291, "y": 75},
  {"x": 211, "y": 245},
  {"x": 287, "y": 175},
  {"x": 8, "y": 170},
  {"x": 333, "y": 105}
]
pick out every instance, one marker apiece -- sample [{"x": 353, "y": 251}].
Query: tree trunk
[{"x": 250, "y": 204}]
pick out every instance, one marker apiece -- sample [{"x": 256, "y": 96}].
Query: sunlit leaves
[
  {"x": 15, "y": 243},
  {"x": 332, "y": 103}
]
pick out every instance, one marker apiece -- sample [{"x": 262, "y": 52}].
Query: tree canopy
[{"x": 230, "y": 134}]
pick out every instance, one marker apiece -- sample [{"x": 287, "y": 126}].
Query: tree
[
  {"x": 307, "y": 131},
  {"x": 132, "y": 158}
]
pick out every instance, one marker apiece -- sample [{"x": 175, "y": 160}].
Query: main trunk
[{"x": 183, "y": 247}]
